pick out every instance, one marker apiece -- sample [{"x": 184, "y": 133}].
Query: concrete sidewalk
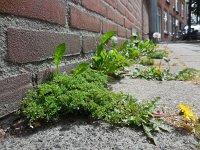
[{"x": 189, "y": 53}]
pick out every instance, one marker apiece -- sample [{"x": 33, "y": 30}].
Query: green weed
[
  {"x": 158, "y": 55},
  {"x": 109, "y": 61},
  {"x": 58, "y": 55},
  {"x": 146, "y": 61}
]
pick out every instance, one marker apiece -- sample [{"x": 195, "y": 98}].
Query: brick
[
  {"x": 121, "y": 41},
  {"x": 107, "y": 26},
  {"x": 96, "y": 6},
  {"x": 77, "y": 1},
  {"x": 89, "y": 44},
  {"x": 29, "y": 46},
  {"x": 48, "y": 10},
  {"x": 130, "y": 7},
  {"x": 111, "y": 13},
  {"x": 115, "y": 16},
  {"x": 128, "y": 33},
  {"x": 121, "y": 8},
  {"x": 119, "y": 19},
  {"x": 130, "y": 17},
  {"x": 121, "y": 31},
  {"x": 128, "y": 24},
  {"x": 113, "y": 3},
  {"x": 82, "y": 20},
  {"x": 12, "y": 90},
  {"x": 124, "y": 2},
  {"x": 44, "y": 75}
]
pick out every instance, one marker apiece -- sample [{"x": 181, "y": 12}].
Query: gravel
[{"x": 81, "y": 135}]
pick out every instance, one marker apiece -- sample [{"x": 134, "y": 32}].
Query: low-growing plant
[
  {"x": 146, "y": 47},
  {"x": 185, "y": 119},
  {"x": 198, "y": 145},
  {"x": 130, "y": 50},
  {"x": 197, "y": 128},
  {"x": 149, "y": 73},
  {"x": 187, "y": 74},
  {"x": 157, "y": 73},
  {"x": 86, "y": 93},
  {"x": 146, "y": 61},
  {"x": 109, "y": 61},
  {"x": 64, "y": 93},
  {"x": 158, "y": 54}
]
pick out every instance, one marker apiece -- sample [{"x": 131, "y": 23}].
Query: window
[
  {"x": 177, "y": 22},
  {"x": 159, "y": 20},
  {"x": 170, "y": 24},
  {"x": 176, "y": 5},
  {"x": 182, "y": 10},
  {"x": 165, "y": 22}
]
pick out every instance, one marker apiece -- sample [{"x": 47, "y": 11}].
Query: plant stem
[{"x": 57, "y": 69}]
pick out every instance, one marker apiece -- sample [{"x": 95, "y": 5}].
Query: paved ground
[
  {"x": 83, "y": 135},
  {"x": 189, "y": 53}
]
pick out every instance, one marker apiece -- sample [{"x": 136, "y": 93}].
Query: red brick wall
[
  {"x": 31, "y": 29},
  {"x": 165, "y": 6}
]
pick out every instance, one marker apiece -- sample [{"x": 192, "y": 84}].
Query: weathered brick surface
[
  {"x": 89, "y": 44},
  {"x": 128, "y": 24},
  {"x": 12, "y": 90},
  {"x": 29, "y": 46},
  {"x": 82, "y": 20},
  {"x": 121, "y": 8},
  {"x": 44, "y": 75},
  {"x": 113, "y": 3},
  {"x": 121, "y": 31},
  {"x": 107, "y": 26},
  {"x": 47, "y": 10},
  {"x": 128, "y": 33},
  {"x": 77, "y": 1},
  {"x": 115, "y": 16},
  {"x": 125, "y": 2},
  {"x": 97, "y": 6}
]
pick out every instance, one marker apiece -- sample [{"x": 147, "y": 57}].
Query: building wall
[
  {"x": 30, "y": 30},
  {"x": 145, "y": 18},
  {"x": 169, "y": 7}
]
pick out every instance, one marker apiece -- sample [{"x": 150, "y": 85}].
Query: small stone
[
  {"x": 2, "y": 133},
  {"x": 57, "y": 146},
  {"x": 40, "y": 140}
]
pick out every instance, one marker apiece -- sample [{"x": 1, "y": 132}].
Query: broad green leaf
[
  {"x": 107, "y": 37},
  {"x": 99, "y": 49},
  {"x": 58, "y": 54},
  {"x": 81, "y": 68}
]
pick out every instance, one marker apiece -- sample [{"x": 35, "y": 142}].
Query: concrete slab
[{"x": 189, "y": 53}]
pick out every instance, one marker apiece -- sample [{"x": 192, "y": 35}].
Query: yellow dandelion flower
[
  {"x": 187, "y": 113},
  {"x": 158, "y": 69}
]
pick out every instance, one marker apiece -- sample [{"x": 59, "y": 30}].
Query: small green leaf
[
  {"x": 81, "y": 68},
  {"x": 107, "y": 36},
  {"x": 58, "y": 54},
  {"x": 60, "y": 50},
  {"x": 99, "y": 49},
  {"x": 150, "y": 137}
]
